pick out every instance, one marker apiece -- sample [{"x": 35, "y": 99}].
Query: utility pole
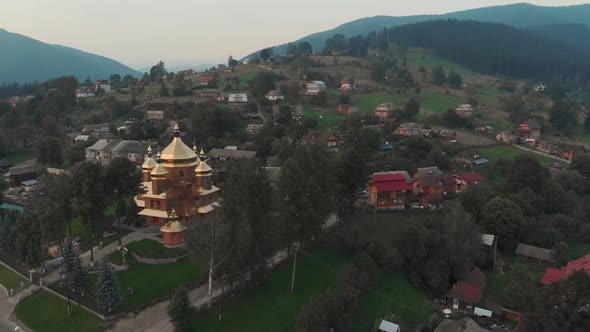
[
  {"x": 222, "y": 291},
  {"x": 294, "y": 267}
]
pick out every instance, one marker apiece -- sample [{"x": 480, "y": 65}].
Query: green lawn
[
  {"x": 20, "y": 156},
  {"x": 497, "y": 284},
  {"x": 45, "y": 312},
  {"x": 438, "y": 102},
  {"x": 576, "y": 250},
  {"x": 367, "y": 102},
  {"x": 9, "y": 279},
  {"x": 325, "y": 120},
  {"x": 153, "y": 249},
  {"x": 506, "y": 151},
  {"x": 391, "y": 293},
  {"x": 271, "y": 307}
]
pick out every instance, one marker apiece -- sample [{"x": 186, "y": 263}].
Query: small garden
[
  {"x": 153, "y": 249},
  {"x": 45, "y": 312},
  {"x": 9, "y": 279}
]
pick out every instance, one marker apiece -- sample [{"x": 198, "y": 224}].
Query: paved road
[{"x": 5, "y": 310}]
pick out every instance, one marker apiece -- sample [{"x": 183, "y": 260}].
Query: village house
[
  {"x": 159, "y": 111},
  {"x": 535, "y": 254},
  {"x": 298, "y": 113},
  {"x": 479, "y": 163},
  {"x": 463, "y": 325},
  {"x": 390, "y": 190},
  {"x": 315, "y": 87},
  {"x": 102, "y": 85},
  {"x": 385, "y": 152},
  {"x": 433, "y": 190},
  {"x": 237, "y": 98},
  {"x": 347, "y": 85},
  {"x": 228, "y": 154},
  {"x": 486, "y": 130},
  {"x": 467, "y": 293},
  {"x": 554, "y": 275},
  {"x": 508, "y": 137},
  {"x": 529, "y": 129},
  {"x": 442, "y": 135},
  {"x": 465, "y": 111},
  {"x": 425, "y": 171},
  {"x": 85, "y": 92},
  {"x": 207, "y": 78},
  {"x": 98, "y": 130},
  {"x": 467, "y": 179},
  {"x": 21, "y": 175},
  {"x": 103, "y": 151},
  {"x": 407, "y": 130},
  {"x": 178, "y": 186},
  {"x": 274, "y": 95},
  {"x": 386, "y": 110},
  {"x": 386, "y": 326},
  {"x": 569, "y": 151},
  {"x": 323, "y": 138}
]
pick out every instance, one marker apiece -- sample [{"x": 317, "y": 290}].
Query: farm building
[{"x": 534, "y": 253}]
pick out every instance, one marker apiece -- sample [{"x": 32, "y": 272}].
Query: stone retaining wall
[{"x": 159, "y": 261}]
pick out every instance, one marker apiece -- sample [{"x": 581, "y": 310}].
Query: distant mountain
[
  {"x": 520, "y": 15},
  {"x": 573, "y": 34},
  {"x": 23, "y": 59},
  {"x": 179, "y": 68}
]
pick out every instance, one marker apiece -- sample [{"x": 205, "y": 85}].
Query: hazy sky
[{"x": 141, "y": 32}]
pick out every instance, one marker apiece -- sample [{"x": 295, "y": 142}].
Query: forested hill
[
  {"x": 574, "y": 34},
  {"x": 492, "y": 48},
  {"x": 519, "y": 15},
  {"x": 24, "y": 59}
]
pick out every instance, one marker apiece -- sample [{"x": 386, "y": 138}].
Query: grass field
[
  {"x": 45, "y": 312},
  {"x": 153, "y": 249},
  {"x": 417, "y": 57},
  {"x": 368, "y": 102},
  {"x": 325, "y": 120},
  {"x": 21, "y": 156},
  {"x": 506, "y": 151},
  {"x": 438, "y": 102},
  {"x": 271, "y": 307},
  {"x": 497, "y": 284},
  {"x": 9, "y": 279},
  {"x": 391, "y": 293}
]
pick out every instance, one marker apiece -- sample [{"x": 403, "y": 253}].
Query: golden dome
[
  {"x": 177, "y": 150},
  {"x": 149, "y": 163},
  {"x": 203, "y": 168},
  {"x": 159, "y": 170},
  {"x": 173, "y": 225}
]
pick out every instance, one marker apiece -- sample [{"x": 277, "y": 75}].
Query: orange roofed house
[
  {"x": 179, "y": 179},
  {"x": 390, "y": 189},
  {"x": 530, "y": 129}
]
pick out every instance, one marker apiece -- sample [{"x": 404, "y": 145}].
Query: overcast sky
[{"x": 179, "y": 32}]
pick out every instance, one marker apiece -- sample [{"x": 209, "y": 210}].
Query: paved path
[{"x": 105, "y": 251}]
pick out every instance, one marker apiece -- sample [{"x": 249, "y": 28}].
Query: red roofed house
[
  {"x": 433, "y": 189},
  {"x": 529, "y": 129},
  {"x": 390, "y": 189},
  {"x": 466, "y": 179},
  {"x": 468, "y": 292},
  {"x": 554, "y": 275},
  {"x": 345, "y": 109},
  {"x": 386, "y": 110}
]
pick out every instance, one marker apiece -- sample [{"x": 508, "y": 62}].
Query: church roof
[
  {"x": 203, "y": 168},
  {"x": 149, "y": 162},
  {"x": 177, "y": 150},
  {"x": 159, "y": 169},
  {"x": 173, "y": 226}
]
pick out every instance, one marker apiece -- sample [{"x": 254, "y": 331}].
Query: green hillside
[
  {"x": 25, "y": 60},
  {"x": 519, "y": 15}
]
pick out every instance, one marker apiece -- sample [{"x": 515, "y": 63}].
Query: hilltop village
[{"x": 392, "y": 190}]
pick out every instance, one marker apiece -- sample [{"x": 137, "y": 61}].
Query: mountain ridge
[
  {"x": 521, "y": 15},
  {"x": 26, "y": 59}
]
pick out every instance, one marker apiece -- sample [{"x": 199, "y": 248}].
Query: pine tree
[
  {"x": 68, "y": 264},
  {"x": 8, "y": 234},
  {"x": 180, "y": 310},
  {"x": 81, "y": 278},
  {"x": 107, "y": 293}
]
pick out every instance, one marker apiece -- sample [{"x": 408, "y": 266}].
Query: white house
[
  {"x": 84, "y": 92},
  {"x": 315, "y": 87},
  {"x": 237, "y": 98},
  {"x": 274, "y": 95},
  {"x": 102, "y": 85}
]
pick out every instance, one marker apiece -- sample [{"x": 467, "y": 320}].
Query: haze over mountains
[
  {"x": 25, "y": 60},
  {"x": 521, "y": 15}
]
